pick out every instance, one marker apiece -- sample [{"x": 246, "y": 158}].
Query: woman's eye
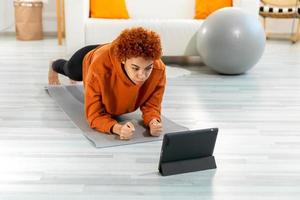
[
  {"x": 148, "y": 69},
  {"x": 135, "y": 69}
]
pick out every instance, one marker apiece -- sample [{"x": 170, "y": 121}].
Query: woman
[{"x": 119, "y": 78}]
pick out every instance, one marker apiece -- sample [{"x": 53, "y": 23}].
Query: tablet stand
[{"x": 191, "y": 165}]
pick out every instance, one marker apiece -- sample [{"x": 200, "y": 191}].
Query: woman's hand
[
  {"x": 155, "y": 127},
  {"x": 125, "y": 131}
]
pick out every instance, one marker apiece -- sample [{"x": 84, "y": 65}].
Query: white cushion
[
  {"x": 161, "y": 9},
  {"x": 176, "y": 35}
]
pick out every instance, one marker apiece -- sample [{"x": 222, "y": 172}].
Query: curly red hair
[{"x": 138, "y": 42}]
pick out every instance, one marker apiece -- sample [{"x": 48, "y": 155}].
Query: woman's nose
[{"x": 141, "y": 75}]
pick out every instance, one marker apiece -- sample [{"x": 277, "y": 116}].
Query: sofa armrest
[
  {"x": 76, "y": 13},
  {"x": 250, "y": 6}
]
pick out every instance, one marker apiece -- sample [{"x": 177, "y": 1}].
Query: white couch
[{"x": 172, "y": 20}]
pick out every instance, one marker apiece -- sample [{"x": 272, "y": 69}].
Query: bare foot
[
  {"x": 52, "y": 76},
  {"x": 73, "y": 82}
]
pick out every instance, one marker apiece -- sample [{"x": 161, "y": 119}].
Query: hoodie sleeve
[
  {"x": 152, "y": 107},
  {"x": 94, "y": 109}
]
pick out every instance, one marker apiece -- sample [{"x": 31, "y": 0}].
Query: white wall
[
  {"x": 7, "y": 16},
  {"x": 49, "y": 16},
  {"x": 2, "y": 20},
  {"x": 281, "y": 25}
]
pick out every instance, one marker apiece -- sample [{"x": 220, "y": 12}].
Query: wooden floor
[{"x": 44, "y": 156}]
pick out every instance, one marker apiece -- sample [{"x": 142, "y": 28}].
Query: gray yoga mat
[{"x": 70, "y": 98}]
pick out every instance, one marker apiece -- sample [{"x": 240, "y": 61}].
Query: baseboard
[
  {"x": 46, "y": 34},
  {"x": 182, "y": 60},
  {"x": 279, "y": 36}
]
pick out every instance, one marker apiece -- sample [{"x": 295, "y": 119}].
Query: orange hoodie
[{"x": 109, "y": 92}]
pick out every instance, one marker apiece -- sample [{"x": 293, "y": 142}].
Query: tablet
[{"x": 187, "y": 145}]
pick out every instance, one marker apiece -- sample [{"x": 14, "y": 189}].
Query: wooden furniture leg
[
  {"x": 59, "y": 21},
  {"x": 296, "y": 35}
]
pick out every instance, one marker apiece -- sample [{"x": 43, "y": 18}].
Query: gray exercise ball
[{"x": 231, "y": 41}]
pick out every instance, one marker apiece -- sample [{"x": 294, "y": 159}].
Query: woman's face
[{"x": 138, "y": 69}]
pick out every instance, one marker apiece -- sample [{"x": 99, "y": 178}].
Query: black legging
[{"x": 73, "y": 67}]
